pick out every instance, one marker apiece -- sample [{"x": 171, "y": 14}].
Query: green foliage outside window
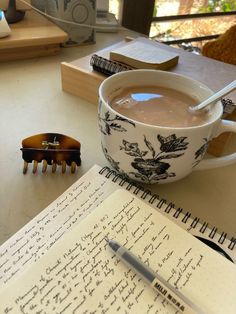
[{"x": 218, "y": 5}]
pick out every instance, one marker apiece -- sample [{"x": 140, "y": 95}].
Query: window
[{"x": 174, "y": 20}]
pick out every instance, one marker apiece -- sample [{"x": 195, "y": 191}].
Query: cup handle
[{"x": 225, "y": 126}]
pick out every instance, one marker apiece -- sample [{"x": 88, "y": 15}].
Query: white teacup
[{"x": 152, "y": 153}]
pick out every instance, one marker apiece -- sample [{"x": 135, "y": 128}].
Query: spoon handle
[{"x": 224, "y": 91}]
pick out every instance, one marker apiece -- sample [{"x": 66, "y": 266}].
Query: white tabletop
[{"x": 32, "y": 102}]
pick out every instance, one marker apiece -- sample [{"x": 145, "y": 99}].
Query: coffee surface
[{"x": 157, "y": 106}]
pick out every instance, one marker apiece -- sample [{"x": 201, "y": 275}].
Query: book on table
[
  {"x": 143, "y": 53},
  {"x": 139, "y": 53},
  {"x": 60, "y": 263}
]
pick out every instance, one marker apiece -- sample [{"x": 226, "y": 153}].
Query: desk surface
[{"x": 32, "y": 102}]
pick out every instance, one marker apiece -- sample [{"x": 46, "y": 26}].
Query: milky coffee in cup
[{"x": 157, "y": 105}]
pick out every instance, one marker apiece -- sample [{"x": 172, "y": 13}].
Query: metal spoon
[{"x": 224, "y": 91}]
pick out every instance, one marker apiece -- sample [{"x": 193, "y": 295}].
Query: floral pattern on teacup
[
  {"x": 110, "y": 123},
  {"x": 201, "y": 152},
  {"x": 114, "y": 164},
  {"x": 153, "y": 168}
]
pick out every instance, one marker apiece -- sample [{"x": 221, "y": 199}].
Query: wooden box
[{"x": 34, "y": 36}]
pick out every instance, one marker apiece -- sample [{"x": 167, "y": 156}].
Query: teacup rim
[{"x": 218, "y": 116}]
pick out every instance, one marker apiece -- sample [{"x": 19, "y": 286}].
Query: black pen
[{"x": 173, "y": 296}]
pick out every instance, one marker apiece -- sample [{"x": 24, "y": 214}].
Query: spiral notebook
[
  {"x": 81, "y": 274},
  {"x": 106, "y": 66},
  {"x": 139, "y": 53},
  {"x": 32, "y": 242}
]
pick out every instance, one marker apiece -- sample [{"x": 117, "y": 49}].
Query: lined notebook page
[
  {"x": 80, "y": 274},
  {"x": 32, "y": 241},
  {"x": 144, "y": 53}
]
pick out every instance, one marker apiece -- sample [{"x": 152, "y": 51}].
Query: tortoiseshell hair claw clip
[{"x": 52, "y": 149}]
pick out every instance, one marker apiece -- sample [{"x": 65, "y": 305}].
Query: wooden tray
[{"x": 34, "y": 36}]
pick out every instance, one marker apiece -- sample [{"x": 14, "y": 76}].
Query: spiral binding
[
  {"x": 169, "y": 208},
  {"x": 107, "y": 67}
]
